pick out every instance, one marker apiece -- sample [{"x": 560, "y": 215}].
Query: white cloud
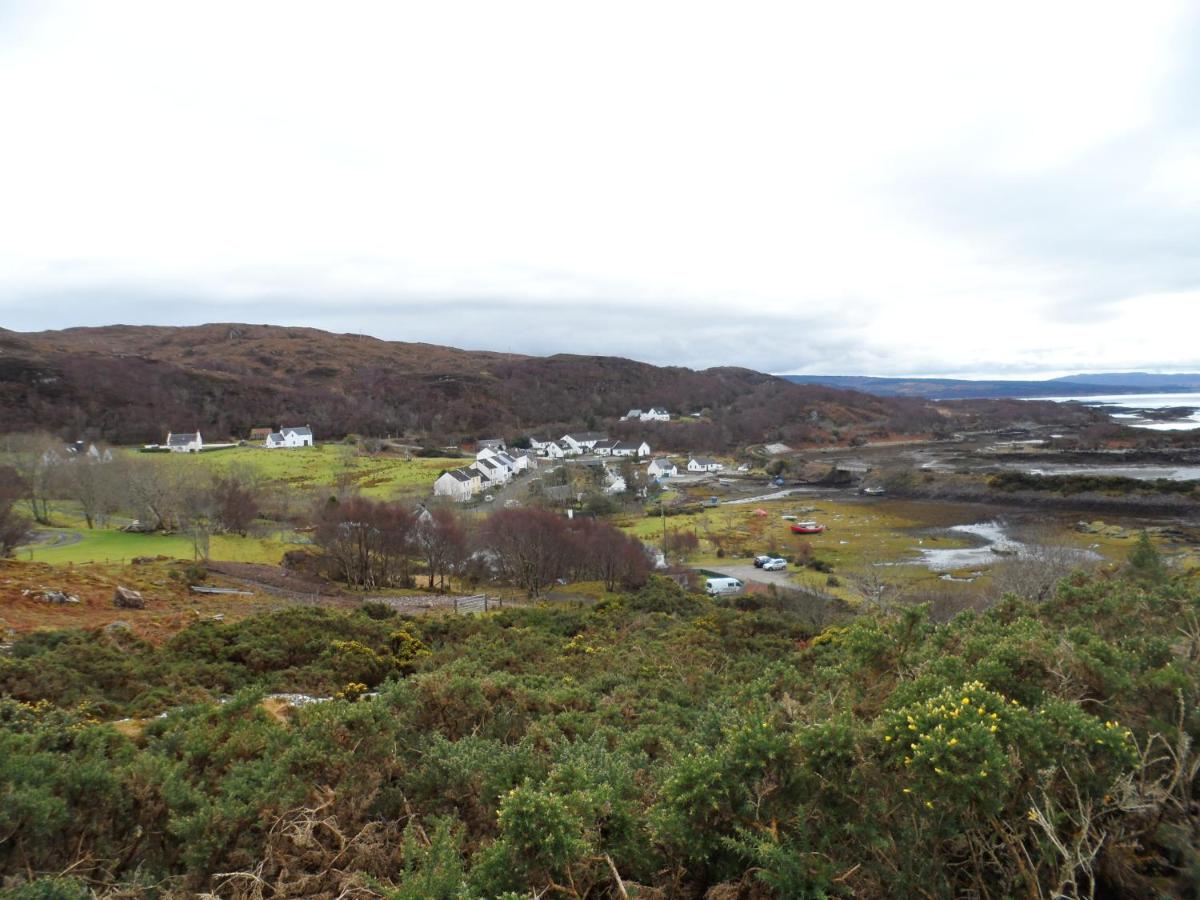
[{"x": 859, "y": 182}]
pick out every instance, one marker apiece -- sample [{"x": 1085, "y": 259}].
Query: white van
[{"x": 714, "y": 586}]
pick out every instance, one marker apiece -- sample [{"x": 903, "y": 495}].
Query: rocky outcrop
[{"x": 126, "y": 598}]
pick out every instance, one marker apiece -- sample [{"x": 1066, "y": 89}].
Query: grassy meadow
[
  {"x": 303, "y": 470},
  {"x": 380, "y": 475}
]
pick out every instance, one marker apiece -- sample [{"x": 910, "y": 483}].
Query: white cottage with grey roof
[
  {"x": 289, "y": 437},
  {"x": 457, "y": 484}
]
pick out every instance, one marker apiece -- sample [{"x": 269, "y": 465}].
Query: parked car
[
  {"x": 774, "y": 565},
  {"x": 713, "y": 586},
  {"x": 759, "y": 561}
]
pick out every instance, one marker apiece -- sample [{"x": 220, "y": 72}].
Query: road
[{"x": 748, "y": 572}]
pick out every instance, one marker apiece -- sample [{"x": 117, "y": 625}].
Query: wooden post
[{"x": 456, "y": 604}]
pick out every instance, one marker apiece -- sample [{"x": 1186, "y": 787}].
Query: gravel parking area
[{"x": 747, "y": 572}]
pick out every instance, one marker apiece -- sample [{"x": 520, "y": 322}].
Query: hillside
[{"x": 130, "y": 384}]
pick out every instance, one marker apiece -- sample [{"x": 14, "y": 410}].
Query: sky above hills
[{"x": 934, "y": 188}]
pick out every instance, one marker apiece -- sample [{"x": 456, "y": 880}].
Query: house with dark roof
[
  {"x": 493, "y": 471},
  {"x": 631, "y": 448},
  {"x": 458, "y": 484},
  {"x": 560, "y": 449},
  {"x": 525, "y": 459},
  {"x": 704, "y": 464},
  {"x": 662, "y": 468},
  {"x": 584, "y": 441},
  {"x": 289, "y": 437}
]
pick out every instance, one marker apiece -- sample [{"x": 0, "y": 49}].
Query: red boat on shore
[{"x": 807, "y": 528}]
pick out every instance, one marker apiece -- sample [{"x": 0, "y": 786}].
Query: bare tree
[
  {"x": 14, "y": 527},
  {"x": 35, "y": 458},
  {"x": 198, "y": 514},
  {"x": 875, "y": 588},
  {"x": 1043, "y": 562},
  {"x": 531, "y": 546},
  {"x": 91, "y": 480},
  {"x": 440, "y": 540},
  {"x": 154, "y": 487},
  {"x": 366, "y": 543},
  {"x": 236, "y": 501},
  {"x": 608, "y": 554}
]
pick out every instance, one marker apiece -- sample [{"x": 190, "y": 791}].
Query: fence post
[
  {"x": 455, "y": 604},
  {"x": 485, "y": 599}
]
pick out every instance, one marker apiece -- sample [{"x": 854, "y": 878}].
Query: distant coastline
[{"x": 1069, "y": 387}]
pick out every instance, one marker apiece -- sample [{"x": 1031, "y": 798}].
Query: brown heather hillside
[{"x": 130, "y": 384}]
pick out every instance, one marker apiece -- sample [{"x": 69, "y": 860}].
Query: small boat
[
  {"x": 809, "y": 527},
  {"x": 788, "y": 518}
]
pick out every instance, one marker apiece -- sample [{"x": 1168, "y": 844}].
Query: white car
[{"x": 774, "y": 565}]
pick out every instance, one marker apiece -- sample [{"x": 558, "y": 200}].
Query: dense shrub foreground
[{"x": 660, "y": 746}]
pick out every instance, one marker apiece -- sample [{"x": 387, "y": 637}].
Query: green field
[
  {"x": 381, "y": 475},
  {"x": 103, "y": 545}
]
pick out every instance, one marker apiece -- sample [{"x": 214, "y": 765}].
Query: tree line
[{"x": 371, "y": 544}]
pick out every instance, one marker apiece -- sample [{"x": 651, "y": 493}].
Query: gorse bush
[{"x": 657, "y": 740}]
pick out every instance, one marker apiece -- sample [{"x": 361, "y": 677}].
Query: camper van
[{"x": 714, "y": 586}]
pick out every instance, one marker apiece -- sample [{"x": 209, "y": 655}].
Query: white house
[
  {"x": 458, "y": 484},
  {"x": 493, "y": 471},
  {"x": 614, "y": 482},
  {"x": 629, "y": 448},
  {"x": 184, "y": 443},
  {"x": 654, "y": 414},
  {"x": 509, "y": 462},
  {"x": 525, "y": 460},
  {"x": 289, "y": 437},
  {"x": 662, "y": 468},
  {"x": 560, "y": 449},
  {"x": 604, "y": 448},
  {"x": 584, "y": 441},
  {"x": 540, "y": 445},
  {"x": 704, "y": 464}
]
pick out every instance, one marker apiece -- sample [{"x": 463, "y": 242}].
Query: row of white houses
[
  {"x": 593, "y": 442},
  {"x": 494, "y": 467},
  {"x": 662, "y": 467}
]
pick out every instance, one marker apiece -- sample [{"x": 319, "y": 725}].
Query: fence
[{"x": 476, "y": 603}]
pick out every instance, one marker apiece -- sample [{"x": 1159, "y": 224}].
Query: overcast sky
[{"x": 853, "y": 188}]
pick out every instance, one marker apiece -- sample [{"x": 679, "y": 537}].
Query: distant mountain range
[{"x": 967, "y": 389}]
